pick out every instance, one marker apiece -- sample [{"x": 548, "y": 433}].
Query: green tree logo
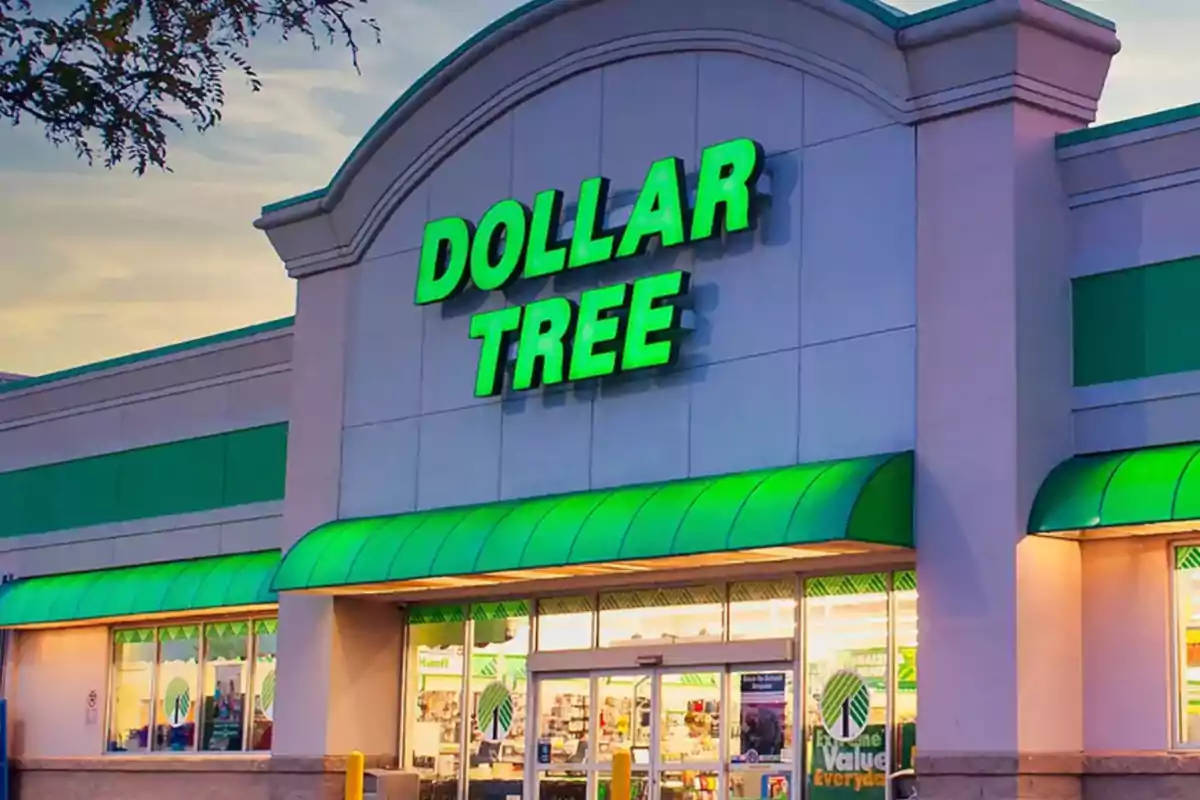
[
  {"x": 494, "y": 712},
  {"x": 177, "y": 701},
  {"x": 845, "y": 706}
]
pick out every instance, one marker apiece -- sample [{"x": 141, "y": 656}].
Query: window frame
[
  {"x": 798, "y": 697},
  {"x": 202, "y": 624},
  {"x": 1178, "y": 717}
]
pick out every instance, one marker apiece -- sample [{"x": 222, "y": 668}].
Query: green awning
[
  {"x": 864, "y": 500},
  {"x": 173, "y": 587},
  {"x": 1130, "y": 487}
]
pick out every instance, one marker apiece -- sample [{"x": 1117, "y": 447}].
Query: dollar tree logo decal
[
  {"x": 494, "y": 713},
  {"x": 177, "y": 701},
  {"x": 845, "y": 706},
  {"x": 268, "y": 695}
]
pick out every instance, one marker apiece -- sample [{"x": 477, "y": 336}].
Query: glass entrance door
[
  {"x": 672, "y": 722},
  {"x": 688, "y": 761}
]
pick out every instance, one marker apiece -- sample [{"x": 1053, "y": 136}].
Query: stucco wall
[
  {"x": 805, "y": 334},
  {"x": 1127, "y": 645},
  {"x": 240, "y": 384},
  {"x": 1133, "y": 197},
  {"x": 51, "y": 674},
  {"x": 229, "y": 386}
]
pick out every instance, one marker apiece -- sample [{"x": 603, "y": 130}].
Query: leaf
[{"x": 108, "y": 78}]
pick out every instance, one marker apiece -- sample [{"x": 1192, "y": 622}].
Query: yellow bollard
[
  {"x": 622, "y": 775},
  {"x": 354, "y": 776}
]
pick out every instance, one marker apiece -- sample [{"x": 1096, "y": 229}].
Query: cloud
[{"x": 95, "y": 264}]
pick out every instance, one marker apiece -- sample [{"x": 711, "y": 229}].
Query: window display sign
[
  {"x": 177, "y": 702},
  {"x": 764, "y": 710},
  {"x": 617, "y": 328},
  {"x": 845, "y": 706},
  {"x": 854, "y": 770},
  {"x": 495, "y": 712},
  {"x": 225, "y": 732}
]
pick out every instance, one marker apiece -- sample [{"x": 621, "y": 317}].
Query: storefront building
[{"x": 721, "y": 382}]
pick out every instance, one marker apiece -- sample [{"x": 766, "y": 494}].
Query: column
[
  {"x": 1000, "y": 659},
  {"x": 340, "y": 659}
]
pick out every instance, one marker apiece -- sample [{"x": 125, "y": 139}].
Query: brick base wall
[
  {"x": 192, "y": 777},
  {"x": 1093, "y": 776}
]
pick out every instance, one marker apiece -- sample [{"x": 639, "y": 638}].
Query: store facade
[{"x": 665, "y": 377}]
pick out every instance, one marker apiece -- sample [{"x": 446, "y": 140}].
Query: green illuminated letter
[
  {"x": 728, "y": 173},
  {"x": 493, "y": 267},
  {"x": 493, "y": 327},
  {"x": 597, "y": 333},
  {"x": 443, "y": 269},
  {"x": 659, "y": 209},
  {"x": 540, "y": 352},
  {"x": 544, "y": 256},
  {"x": 588, "y": 243},
  {"x": 649, "y": 339}
]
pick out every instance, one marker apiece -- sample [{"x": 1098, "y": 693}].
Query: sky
[{"x": 97, "y": 263}]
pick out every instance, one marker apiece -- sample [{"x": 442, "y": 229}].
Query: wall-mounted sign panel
[{"x": 618, "y": 328}]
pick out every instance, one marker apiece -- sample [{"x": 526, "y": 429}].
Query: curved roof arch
[
  {"x": 518, "y": 18},
  {"x": 855, "y": 44}
]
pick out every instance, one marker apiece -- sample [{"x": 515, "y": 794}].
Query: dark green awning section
[
  {"x": 173, "y": 587},
  {"x": 867, "y": 500},
  {"x": 1131, "y": 487}
]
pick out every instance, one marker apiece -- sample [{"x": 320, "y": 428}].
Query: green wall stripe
[
  {"x": 146, "y": 355},
  {"x": 202, "y": 474},
  {"x": 1135, "y": 323}
]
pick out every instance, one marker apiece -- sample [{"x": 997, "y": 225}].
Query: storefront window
[
  {"x": 165, "y": 697},
  {"x": 664, "y": 615},
  {"x": 436, "y": 663},
  {"x": 904, "y": 747},
  {"x": 566, "y": 623},
  {"x": 847, "y": 686},
  {"x": 134, "y": 654},
  {"x": 226, "y": 673},
  {"x": 1187, "y": 604},
  {"x": 497, "y": 699},
  {"x": 699, "y": 732},
  {"x": 265, "y": 650},
  {"x": 762, "y": 610},
  {"x": 178, "y": 671}
]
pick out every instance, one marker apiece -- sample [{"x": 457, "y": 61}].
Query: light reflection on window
[
  {"x": 1187, "y": 599},
  {"x": 667, "y": 615},
  {"x": 566, "y": 623},
  {"x": 134, "y": 655},
  {"x": 762, "y": 610}
]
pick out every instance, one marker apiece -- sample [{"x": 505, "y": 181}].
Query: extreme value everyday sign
[{"x": 617, "y": 328}]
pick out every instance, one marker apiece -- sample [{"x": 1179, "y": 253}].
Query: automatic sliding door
[
  {"x": 688, "y": 762},
  {"x": 692, "y": 734},
  {"x": 624, "y": 721},
  {"x": 563, "y": 730}
]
